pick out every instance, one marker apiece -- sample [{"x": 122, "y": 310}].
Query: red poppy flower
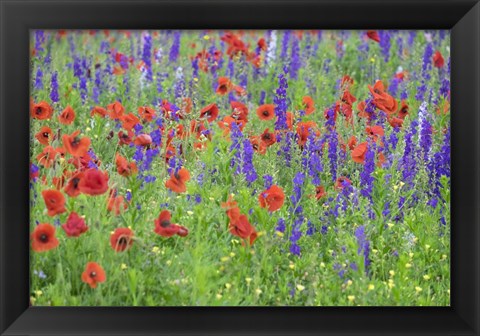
[
  {"x": 67, "y": 117},
  {"x": 378, "y": 89},
  {"x": 143, "y": 140},
  {"x": 373, "y": 35},
  {"x": 72, "y": 189},
  {"x": 403, "y": 111},
  {"x": 438, "y": 60},
  {"x": 262, "y": 44},
  {"x": 224, "y": 86},
  {"x": 165, "y": 228},
  {"x": 44, "y": 135},
  {"x": 240, "y": 111},
  {"x": 116, "y": 204},
  {"x": 239, "y": 91},
  {"x": 177, "y": 180},
  {"x": 395, "y": 122},
  {"x": 129, "y": 121},
  {"x": 41, "y": 110},
  {"x": 47, "y": 157},
  {"x": 346, "y": 82},
  {"x": 146, "y": 113},
  {"x": 54, "y": 201},
  {"x": 43, "y": 238},
  {"x": 352, "y": 142},
  {"x": 98, "y": 110},
  {"x": 125, "y": 168},
  {"x": 303, "y": 131},
  {"x": 348, "y": 98},
  {"x": 359, "y": 152},
  {"x": 233, "y": 211},
  {"x": 308, "y": 105},
  {"x": 115, "y": 110},
  {"x": 94, "y": 182},
  {"x": 125, "y": 138},
  {"x": 121, "y": 239},
  {"x": 386, "y": 103},
  {"x": 93, "y": 274},
  {"x": 75, "y": 225},
  {"x": 258, "y": 145},
  {"x": 266, "y": 111},
  {"x": 290, "y": 120},
  {"x": 242, "y": 228},
  {"x": 75, "y": 145},
  {"x": 375, "y": 131},
  {"x": 380, "y": 159},
  {"x": 272, "y": 198},
  {"x": 268, "y": 138},
  {"x": 341, "y": 181},
  {"x": 209, "y": 112},
  {"x": 320, "y": 192}
]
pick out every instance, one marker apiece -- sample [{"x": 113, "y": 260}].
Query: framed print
[{"x": 221, "y": 167}]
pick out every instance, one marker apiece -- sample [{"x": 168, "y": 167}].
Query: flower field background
[{"x": 240, "y": 168}]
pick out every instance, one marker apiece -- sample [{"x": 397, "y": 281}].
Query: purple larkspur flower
[
  {"x": 248, "y": 168},
  {"x": 363, "y": 246},
  {"x": 54, "y": 88}
]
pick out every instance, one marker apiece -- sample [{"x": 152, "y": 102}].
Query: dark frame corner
[{"x": 18, "y": 16}]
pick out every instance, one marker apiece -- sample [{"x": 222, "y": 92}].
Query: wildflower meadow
[{"x": 240, "y": 168}]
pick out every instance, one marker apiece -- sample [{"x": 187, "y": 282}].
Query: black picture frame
[{"x": 18, "y": 16}]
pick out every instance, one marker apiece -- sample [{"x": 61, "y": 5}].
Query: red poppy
[
  {"x": 438, "y": 60},
  {"x": 272, "y": 198},
  {"x": 93, "y": 274},
  {"x": 116, "y": 204},
  {"x": 380, "y": 159},
  {"x": 224, "y": 86},
  {"x": 346, "y": 82},
  {"x": 43, "y": 238},
  {"x": 375, "y": 131},
  {"x": 395, "y": 122},
  {"x": 348, "y": 98},
  {"x": 308, "y": 105},
  {"x": 373, "y": 35},
  {"x": 47, "y": 157},
  {"x": 266, "y": 111},
  {"x": 143, "y": 140},
  {"x": 129, "y": 121},
  {"x": 359, "y": 152},
  {"x": 146, "y": 113},
  {"x": 233, "y": 211},
  {"x": 93, "y": 182},
  {"x": 320, "y": 192},
  {"x": 341, "y": 182},
  {"x": 124, "y": 167},
  {"x": 165, "y": 228},
  {"x": 403, "y": 111},
  {"x": 177, "y": 180},
  {"x": 75, "y": 225},
  {"x": 72, "y": 189},
  {"x": 239, "y": 91},
  {"x": 240, "y": 111},
  {"x": 242, "y": 228},
  {"x": 41, "y": 110},
  {"x": 290, "y": 120},
  {"x": 44, "y": 135},
  {"x": 352, "y": 142},
  {"x": 121, "y": 239},
  {"x": 67, "y": 117},
  {"x": 115, "y": 110},
  {"x": 378, "y": 89},
  {"x": 268, "y": 138},
  {"x": 262, "y": 44},
  {"x": 209, "y": 112},
  {"x": 125, "y": 138},
  {"x": 54, "y": 201},
  {"x": 75, "y": 145},
  {"x": 98, "y": 110},
  {"x": 258, "y": 145},
  {"x": 303, "y": 131}
]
